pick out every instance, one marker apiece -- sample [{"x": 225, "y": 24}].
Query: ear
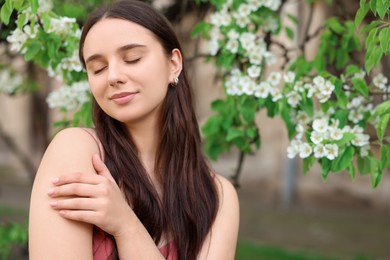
[{"x": 176, "y": 65}]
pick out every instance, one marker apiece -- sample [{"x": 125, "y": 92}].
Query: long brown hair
[{"x": 189, "y": 203}]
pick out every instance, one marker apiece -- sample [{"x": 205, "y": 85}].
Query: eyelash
[{"x": 128, "y": 62}]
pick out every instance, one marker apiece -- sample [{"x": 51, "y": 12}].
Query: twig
[{"x": 237, "y": 174}]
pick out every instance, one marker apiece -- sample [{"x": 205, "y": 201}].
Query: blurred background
[{"x": 284, "y": 214}]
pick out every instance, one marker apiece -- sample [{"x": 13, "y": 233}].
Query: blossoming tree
[{"x": 327, "y": 103}]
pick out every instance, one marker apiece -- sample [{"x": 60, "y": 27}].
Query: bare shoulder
[
  {"x": 226, "y": 190},
  {"x": 222, "y": 239},
  {"x": 50, "y": 235}
]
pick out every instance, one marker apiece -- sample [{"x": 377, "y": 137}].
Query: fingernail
[
  {"x": 53, "y": 203},
  {"x": 55, "y": 180},
  {"x": 50, "y": 191}
]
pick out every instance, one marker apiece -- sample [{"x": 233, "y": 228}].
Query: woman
[{"x": 154, "y": 197}]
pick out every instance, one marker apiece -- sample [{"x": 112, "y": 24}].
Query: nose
[{"x": 116, "y": 75}]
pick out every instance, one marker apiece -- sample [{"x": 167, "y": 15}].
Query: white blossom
[
  {"x": 61, "y": 26},
  {"x": 361, "y": 140},
  {"x": 254, "y": 71},
  {"x": 244, "y": 10},
  {"x": 289, "y": 77},
  {"x": 256, "y": 55},
  {"x": 293, "y": 98},
  {"x": 272, "y": 4},
  {"x": 276, "y": 94},
  {"x": 232, "y": 46},
  {"x": 299, "y": 86},
  {"x": 320, "y": 151},
  {"x": 213, "y": 47},
  {"x": 359, "y": 75},
  {"x": 332, "y": 151},
  {"x": 9, "y": 82},
  {"x": 327, "y": 88},
  {"x": 319, "y": 81},
  {"x": 305, "y": 150},
  {"x": 355, "y": 116},
  {"x": 247, "y": 40},
  {"x": 69, "y": 97},
  {"x": 316, "y": 137},
  {"x": 270, "y": 24},
  {"x": 233, "y": 35},
  {"x": 335, "y": 133},
  {"x": 16, "y": 39},
  {"x": 270, "y": 58},
  {"x": 320, "y": 125},
  {"x": 294, "y": 148},
  {"x": 262, "y": 90},
  {"x": 302, "y": 118},
  {"x": 380, "y": 81},
  {"x": 274, "y": 78}
]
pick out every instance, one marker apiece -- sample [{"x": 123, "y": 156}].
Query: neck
[{"x": 145, "y": 137}]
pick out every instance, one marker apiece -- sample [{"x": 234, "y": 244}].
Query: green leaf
[
  {"x": 292, "y": 18},
  {"x": 364, "y": 165},
  {"x": 285, "y": 114},
  {"x": 22, "y": 20},
  {"x": 289, "y": 33},
  {"x": 325, "y": 167},
  {"x": 383, "y": 124},
  {"x": 361, "y": 13},
  {"x": 360, "y": 86},
  {"x": 373, "y": 6},
  {"x": 343, "y": 160},
  {"x": 202, "y": 28},
  {"x": 234, "y": 133},
  {"x": 34, "y": 6},
  {"x": 351, "y": 70},
  {"x": 33, "y": 47},
  {"x": 384, "y": 39},
  {"x": 381, "y": 8},
  {"x": 382, "y": 109},
  {"x": 5, "y": 13},
  {"x": 351, "y": 171},
  {"x": 212, "y": 125},
  {"x": 248, "y": 109},
  {"x": 347, "y": 137},
  {"x": 385, "y": 156},
  {"x": 307, "y": 105},
  {"x": 376, "y": 172},
  {"x": 308, "y": 163},
  {"x": 335, "y": 25}
]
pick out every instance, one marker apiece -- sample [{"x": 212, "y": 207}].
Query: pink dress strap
[{"x": 98, "y": 143}]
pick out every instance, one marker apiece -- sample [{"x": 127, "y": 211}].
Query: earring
[{"x": 176, "y": 81}]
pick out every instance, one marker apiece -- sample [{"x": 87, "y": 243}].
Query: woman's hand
[{"x": 92, "y": 198}]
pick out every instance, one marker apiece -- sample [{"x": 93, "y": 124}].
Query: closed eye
[
  {"x": 132, "y": 61},
  {"x": 99, "y": 70}
]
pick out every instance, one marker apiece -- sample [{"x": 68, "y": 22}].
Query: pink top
[{"x": 103, "y": 246}]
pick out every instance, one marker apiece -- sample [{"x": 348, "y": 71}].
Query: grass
[{"x": 250, "y": 251}]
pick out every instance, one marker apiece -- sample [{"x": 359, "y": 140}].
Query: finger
[
  {"x": 101, "y": 168},
  {"x": 86, "y": 216},
  {"x": 72, "y": 189},
  {"x": 76, "y": 177},
  {"x": 74, "y": 204}
]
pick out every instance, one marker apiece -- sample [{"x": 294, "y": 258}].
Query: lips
[{"x": 124, "y": 97}]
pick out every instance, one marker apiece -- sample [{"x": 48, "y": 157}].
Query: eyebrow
[{"x": 121, "y": 49}]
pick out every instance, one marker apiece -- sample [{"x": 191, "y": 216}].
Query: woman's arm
[
  {"x": 222, "y": 239},
  {"x": 50, "y": 235}
]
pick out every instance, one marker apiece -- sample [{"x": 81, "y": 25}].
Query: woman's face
[{"x": 128, "y": 69}]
